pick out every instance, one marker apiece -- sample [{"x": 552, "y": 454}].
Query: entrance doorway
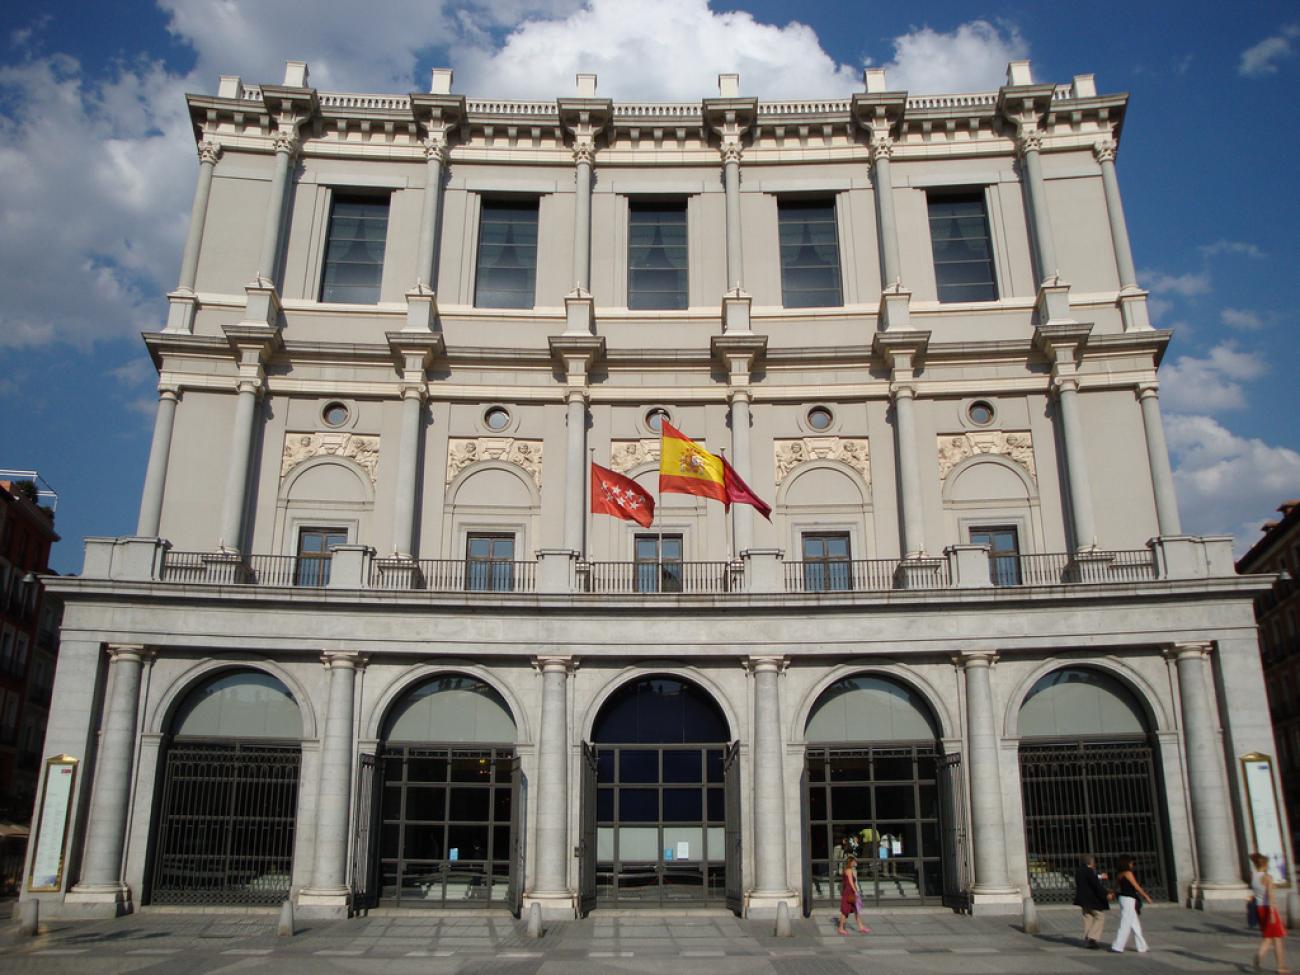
[
  {"x": 1090, "y": 780},
  {"x": 661, "y": 831}
]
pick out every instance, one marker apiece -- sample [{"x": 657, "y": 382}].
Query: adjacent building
[{"x": 369, "y": 646}]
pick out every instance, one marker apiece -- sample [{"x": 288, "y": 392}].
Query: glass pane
[
  {"x": 354, "y": 249},
  {"x": 715, "y": 765},
  {"x": 507, "y": 254},
  {"x": 638, "y": 805},
  {"x": 963, "y": 251},
  {"x": 717, "y": 805},
  {"x": 638, "y": 843},
  {"x": 851, "y": 803},
  {"x": 425, "y": 803},
  {"x": 467, "y": 842},
  {"x": 810, "y": 260},
  {"x": 469, "y": 804},
  {"x": 424, "y": 769},
  {"x": 683, "y": 843},
  {"x": 638, "y": 765},
  {"x": 682, "y": 766},
  {"x": 683, "y": 805},
  {"x": 422, "y": 842},
  {"x": 604, "y": 805}
]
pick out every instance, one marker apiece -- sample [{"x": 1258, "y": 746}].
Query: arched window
[
  {"x": 660, "y": 710},
  {"x": 1077, "y": 702},
  {"x": 239, "y": 704},
  {"x": 451, "y": 708},
  {"x": 870, "y": 709}
]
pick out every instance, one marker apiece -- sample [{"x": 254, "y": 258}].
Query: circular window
[
  {"x": 654, "y": 419},
  {"x": 335, "y": 414},
  {"x": 820, "y": 418},
  {"x": 496, "y": 418},
  {"x": 980, "y": 413}
]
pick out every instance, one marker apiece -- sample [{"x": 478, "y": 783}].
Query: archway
[
  {"x": 661, "y": 799},
  {"x": 1090, "y": 782},
  {"x": 878, "y": 786},
  {"x": 448, "y": 798},
  {"x": 228, "y": 798}
]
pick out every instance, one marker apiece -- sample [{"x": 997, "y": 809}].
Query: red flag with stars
[{"x": 620, "y": 496}]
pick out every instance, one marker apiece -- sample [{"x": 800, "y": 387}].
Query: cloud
[
  {"x": 1184, "y": 285},
  {"x": 1212, "y": 384},
  {"x": 1231, "y": 247},
  {"x": 1242, "y": 318},
  {"x": 973, "y": 57},
  {"x": 1227, "y": 484},
  {"x": 1261, "y": 59}
]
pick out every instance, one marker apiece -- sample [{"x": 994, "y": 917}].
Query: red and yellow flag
[{"x": 687, "y": 468}]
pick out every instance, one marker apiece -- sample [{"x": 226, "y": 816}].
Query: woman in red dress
[
  {"x": 1271, "y": 931},
  {"x": 850, "y": 901}
]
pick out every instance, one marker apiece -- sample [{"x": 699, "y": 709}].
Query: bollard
[
  {"x": 1292, "y": 908},
  {"x": 783, "y": 920},
  {"x": 1031, "y": 917},
  {"x": 29, "y": 917},
  {"x": 535, "y": 921},
  {"x": 285, "y": 930}
]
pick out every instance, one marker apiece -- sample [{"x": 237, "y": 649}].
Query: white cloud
[
  {"x": 1213, "y": 384},
  {"x": 971, "y": 58},
  {"x": 1261, "y": 59},
  {"x": 1242, "y": 318},
  {"x": 1222, "y": 246},
  {"x": 1184, "y": 285}
]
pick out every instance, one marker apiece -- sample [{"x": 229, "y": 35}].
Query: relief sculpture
[
  {"x": 853, "y": 452},
  {"x": 1016, "y": 447},
  {"x": 361, "y": 449},
  {"x": 624, "y": 455},
  {"x": 524, "y": 454}
]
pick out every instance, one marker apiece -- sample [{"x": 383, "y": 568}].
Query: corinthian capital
[
  {"x": 731, "y": 151},
  {"x": 882, "y": 147},
  {"x": 285, "y": 143},
  {"x": 1029, "y": 141},
  {"x": 436, "y": 148},
  {"x": 584, "y": 151},
  {"x": 209, "y": 151},
  {"x": 1104, "y": 150}
]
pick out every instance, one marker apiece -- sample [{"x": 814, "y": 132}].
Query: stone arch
[
  {"x": 1028, "y": 484},
  {"x": 159, "y": 720},
  {"x": 649, "y": 669},
  {"x": 809, "y": 469},
  {"x": 1143, "y": 692},
  {"x": 408, "y": 680},
  {"x": 947, "y": 726},
  {"x": 534, "y": 497},
  {"x": 300, "y": 471}
]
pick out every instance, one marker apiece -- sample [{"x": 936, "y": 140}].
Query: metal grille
[
  {"x": 1092, "y": 797},
  {"x": 227, "y": 814},
  {"x": 363, "y": 846}
]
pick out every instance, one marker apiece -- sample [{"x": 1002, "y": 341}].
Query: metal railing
[
  {"x": 858, "y": 575},
  {"x": 250, "y": 570},
  {"x": 453, "y": 575},
  {"x": 1063, "y": 568},
  {"x": 661, "y": 578}
]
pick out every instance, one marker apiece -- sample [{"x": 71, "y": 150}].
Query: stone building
[{"x": 369, "y": 646}]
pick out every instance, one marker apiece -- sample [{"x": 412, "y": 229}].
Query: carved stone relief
[
  {"x": 524, "y": 454},
  {"x": 956, "y": 447},
  {"x": 361, "y": 449},
  {"x": 853, "y": 452},
  {"x": 624, "y": 455}
]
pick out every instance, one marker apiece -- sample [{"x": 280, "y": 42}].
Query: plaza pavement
[{"x": 901, "y": 941}]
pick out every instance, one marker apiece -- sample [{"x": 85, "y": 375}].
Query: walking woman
[
  {"x": 1271, "y": 931},
  {"x": 1129, "y": 890},
  {"x": 850, "y": 899}
]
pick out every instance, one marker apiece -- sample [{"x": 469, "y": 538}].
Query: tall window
[
  {"x": 354, "y": 252},
  {"x": 1004, "y": 552},
  {"x": 656, "y": 255},
  {"x": 658, "y": 563},
  {"x": 507, "y": 254},
  {"x": 810, "y": 254},
  {"x": 315, "y": 549},
  {"x": 490, "y": 563},
  {"x": 963, "y": 250},
  {"x": 826, "y": 565}
]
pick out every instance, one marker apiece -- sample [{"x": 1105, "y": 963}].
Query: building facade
[{"x": 369, "y": 646}]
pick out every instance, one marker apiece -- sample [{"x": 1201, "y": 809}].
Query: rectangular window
[
  {"x": 656, "y": 255},
  {"x": 826, "y": 562},
  {"x": 810, "y": 254},
  {"x": 354, "y": 251},
  {"x": 1004, "y": 552},
  {"x": 490, "y": 563},
  {"x": 315, "y": 549},
  {"x": 507, "y": 254},
  {"x": 963, "y": 250},
  {"x": 658, "y": 563}
]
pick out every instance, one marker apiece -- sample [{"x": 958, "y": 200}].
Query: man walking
[{"x": 1090, "y": 896}]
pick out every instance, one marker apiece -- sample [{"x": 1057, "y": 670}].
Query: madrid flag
[
  {"x": 614, "y": 494},
  {"x": 687, "y": 468}
]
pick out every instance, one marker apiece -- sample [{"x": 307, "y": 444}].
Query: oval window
[
  {"x": 497, "y": 418},
  {"x": 335, "y": 414},
  {"x": 980, "y": 413},
  {"x": 654, "y": 419},
  {"x": 820, "y": 418}
]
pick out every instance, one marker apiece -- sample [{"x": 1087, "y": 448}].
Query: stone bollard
[
  {"x": 29, "y": 917},
  {"x": 783, "y": 920},
  {"x": 535, "y": 921},
  {"x": 285, "y": 929},
  {"x": 1292, "y": 908},
  {"x": 1031, "y": 917}
]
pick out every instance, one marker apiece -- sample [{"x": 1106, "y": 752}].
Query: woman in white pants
[{"x": 1129, "y": 890}]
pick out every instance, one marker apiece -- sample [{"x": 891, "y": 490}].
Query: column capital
[
  {"x": 250, "y": 384},
  {"x": 731, "y": 150},
  {"x": 1105, "y": 149},
  {"x": 413, "y": 389},
  {"x": 766, "y": 663},
  {"x": 555, "y": 664},
  {"x": 882, "y": 147},
  {"x": 129, "y": 652},
  {"x": 971, "y": 659},
  {"x": 343, "y": 660},
  {"x": 171, "y": 391},
  {"x": 285, "y": 143},
  {"x": 584, "y": 151},
  {"x": 1029, "y": 140},
  {"x": 1065, "y": 384},
  {"x": 902, "y": 390},
  {"x": 209, "y": 151},
  {"x": 436, "y": 148},
  {"x": 1188, "y": 651},
  {"x": 1148, "y": 389}
]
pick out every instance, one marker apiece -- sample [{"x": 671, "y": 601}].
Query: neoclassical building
[{"x": 369, "y": 648}]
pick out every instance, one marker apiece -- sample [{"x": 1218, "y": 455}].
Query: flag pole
[
  {"x": 728, "y": 512},
  {"x": 587, "y": 519}
]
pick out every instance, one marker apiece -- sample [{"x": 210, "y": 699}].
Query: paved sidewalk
[{"x": 903, "y": 942}]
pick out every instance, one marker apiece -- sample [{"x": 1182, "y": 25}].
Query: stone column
[
  {"x": 1104, "y": 150},
  {"x": 912, "y": 500},
  {"x": 101, "y": 888},
  {"x": 241, "y": 441},
  {"x": 771, "y": 884},
  {"x": 992, "y": 887},
  {"x": 886, "y": 225},
  {"x": 1162, "y": 478},
  {"x": 1213, "y": 828},
  {"x": 209, "y": 152},
  {"x": 575, "y": 469},
  {"x": 328, "y": 894},
  {"x": 435, "y": 155},
  {"x": 731, "y": 150},
  {"x": 285, "y": 147},
  {"x": 155, "y": 478},
  {"x": 550, "y": 885},
  {"x": 1076, "y": 464},
  {"x": 408, "y": 461},
  {"x": 742, "y": 514},
  {"x": 584, "y": 151},
  {"x": 1030, "y": 144}
]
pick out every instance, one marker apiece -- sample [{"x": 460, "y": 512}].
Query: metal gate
[
  {"x": 731, "y": 833},
  {"x": 1099, "y": 798},
  {"x": 956, "y": 849},
  {"x": 363, "y": 844},
  {"x": 515, "y": 890},
  {"x": 587, "y": 833},
  {"x": 227, "y": 812}
]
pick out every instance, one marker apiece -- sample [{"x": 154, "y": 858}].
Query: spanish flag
[{"x": 687, "y": 468}]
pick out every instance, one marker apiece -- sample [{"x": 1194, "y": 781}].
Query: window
[
  {"x": 490, "y": 563},
  {"x": 315, "y": 549},
  {"x": 354, "y": 252},
  {"x": 656, "y": 255},
  {"x": 335, "y": 414},
  {"x": 496, "y": 418},
  {"x": 820, "y": 418},
  {"x": 981, "y": 413},
  {"x": 810, "y": 254},
  {"x": 654, "y": 419},
  {"x": 507, "y": 254},
  {"x": 963, "y": 250},
  {"x": 826, "y": 564},
  {"x": 1004, "y": 552},
  {"x": 658, "y": 563}
]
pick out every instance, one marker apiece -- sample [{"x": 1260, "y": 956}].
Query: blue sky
[{"x": 97, "y": 170}]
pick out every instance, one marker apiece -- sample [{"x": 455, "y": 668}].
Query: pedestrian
[
  {"x": 1130, "y": 895},
  {"x": 1091, "y": 897},
  {"x": 1271, "y": 931},
  {"x": 850, "y": 899}
]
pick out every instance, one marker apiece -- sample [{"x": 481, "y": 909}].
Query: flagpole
[
  {"x": 589, "y": 522},
  {"x": 728, "y": 512}
]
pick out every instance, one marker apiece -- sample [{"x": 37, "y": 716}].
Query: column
[
  {"x": 155, "y": 477},
  {"x": 731, "y": 182},
  {"x": 988, "y": 831},
  {"x": 886, "y": 225},
  {"x": 1212, "y": 819},
  {"x": 575, "y": 469},
  {"x": 911, "y": 500},
  {"x": 241, "y": 441},
  {"x": 770, "y": 880},
  {"x": 209, "y": 152},
  {"x": 552, "y": 877},
  {"x": 408, "y": 462},
  {"x": 1044, "y": 248},
  {"x": 1076, "y": 465},
  {"x": 1104, "y": 150},
  {"x": 1162, "y": 477},
  {"x": 285, "y": 146},
  {"x": 333, "y": 797},
  {"x": 742, "y": 514},
  {"x": 435, "y": 155},
  {"x": 101, "y": 869},
  {"x": 583, "y": 153}
]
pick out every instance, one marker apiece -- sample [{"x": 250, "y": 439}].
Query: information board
[
  {"x": 52, "y": 824},
  {"x": 1266, "y": 823}
]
